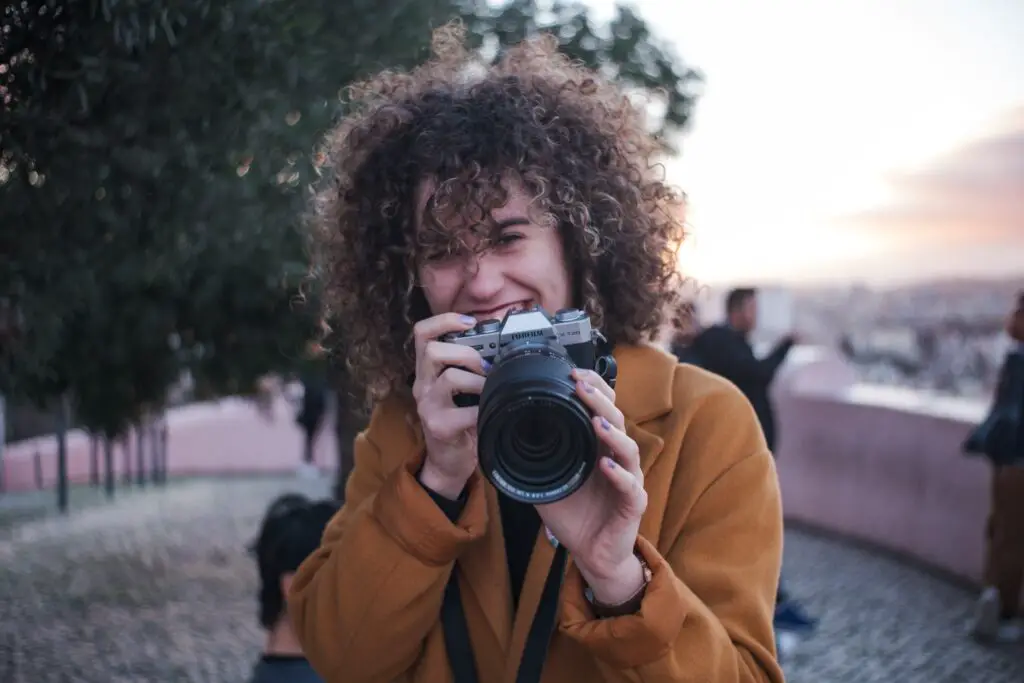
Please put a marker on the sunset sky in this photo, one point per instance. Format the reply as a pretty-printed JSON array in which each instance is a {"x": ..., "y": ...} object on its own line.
[{"x": 865, "y": 140}]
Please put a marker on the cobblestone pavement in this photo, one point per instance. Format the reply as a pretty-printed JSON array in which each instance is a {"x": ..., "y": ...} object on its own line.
[{"x": 158, "y": 587}]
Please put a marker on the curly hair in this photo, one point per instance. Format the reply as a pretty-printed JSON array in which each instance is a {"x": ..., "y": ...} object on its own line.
[{"x": 575, "y": 142}]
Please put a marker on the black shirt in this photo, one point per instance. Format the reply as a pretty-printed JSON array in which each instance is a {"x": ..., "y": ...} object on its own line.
[{"x": 284, "y": 669}]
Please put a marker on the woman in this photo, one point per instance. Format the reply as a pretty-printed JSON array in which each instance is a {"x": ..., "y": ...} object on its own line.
[
  {"x": 458, "y": 194},
  {"x": 998, "y": 615}
]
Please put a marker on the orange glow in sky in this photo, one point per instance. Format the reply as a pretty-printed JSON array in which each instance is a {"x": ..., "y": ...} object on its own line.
[{"x": 813, "y": 110}]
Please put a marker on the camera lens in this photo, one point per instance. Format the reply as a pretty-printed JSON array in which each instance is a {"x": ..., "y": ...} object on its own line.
[{"x": 536, "y": 442}]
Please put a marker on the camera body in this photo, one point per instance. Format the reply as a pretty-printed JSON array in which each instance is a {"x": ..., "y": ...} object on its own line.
[
  {"x": 569, "y": 328},
  {"x": 536, "y": 441}
]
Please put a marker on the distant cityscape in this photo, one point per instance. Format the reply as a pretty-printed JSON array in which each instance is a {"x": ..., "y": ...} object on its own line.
[{"x": 945, "y": 336}]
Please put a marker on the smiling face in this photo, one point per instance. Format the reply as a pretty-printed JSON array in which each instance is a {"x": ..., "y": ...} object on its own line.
[{"x": 509, "y": 259}]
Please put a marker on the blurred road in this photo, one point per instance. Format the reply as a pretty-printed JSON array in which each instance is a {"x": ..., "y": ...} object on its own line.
[{"x": 157, "y": 587}]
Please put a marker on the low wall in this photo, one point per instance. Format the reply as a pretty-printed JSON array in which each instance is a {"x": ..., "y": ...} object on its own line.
[
  {"x": 882, "y": 465},
  {"x": 222, "y": 437}
]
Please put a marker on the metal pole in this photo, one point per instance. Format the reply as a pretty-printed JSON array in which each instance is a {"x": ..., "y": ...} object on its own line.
[
  {"x": 3, "y": 437},
  {"x": 163, "y": 451},
  {"x": 94, "y": 460},
  {"x": 126, "y": 441},
  {"x": 108, "y": 457},
  {"x": 140, "y": 452},
  {"x": 63, "y": 418}
]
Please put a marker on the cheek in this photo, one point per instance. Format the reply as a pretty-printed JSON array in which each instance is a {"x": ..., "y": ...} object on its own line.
[
  {"x": 439, "y": 289},
  {"x": 550, "y": 271}
]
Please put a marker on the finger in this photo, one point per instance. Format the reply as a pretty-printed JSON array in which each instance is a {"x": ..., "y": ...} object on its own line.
[
  {"x": 439, "y": 355},
  {"x": 456, "y": 381},
  {"x": 626, "y": 485},
  {"x": 438, "y": 325},
  {"x": 449, "y": 424},
  {"x": 600, "y": 403},
  {"x": 595, "y": 380},
  {"x": 624, "y": 450}
]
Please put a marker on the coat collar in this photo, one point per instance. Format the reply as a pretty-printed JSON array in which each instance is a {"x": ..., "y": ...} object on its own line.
[{"x": 643, "y": 389}]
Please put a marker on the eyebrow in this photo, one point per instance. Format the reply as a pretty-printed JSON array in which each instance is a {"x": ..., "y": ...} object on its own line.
[{"x": 509, "y": 222}]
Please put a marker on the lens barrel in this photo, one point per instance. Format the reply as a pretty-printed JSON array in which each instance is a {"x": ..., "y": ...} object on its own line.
[{"x": 536, "y": 442}]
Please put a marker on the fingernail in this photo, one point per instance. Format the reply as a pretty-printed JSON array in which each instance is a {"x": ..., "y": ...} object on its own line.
[
  {"x": 605, "y": 424},
  {"x": 486, "y": 365},
  {"x": 611, "y": 463},
  {"x": 587, "y": 387},
  {"x": 468, "y": 320}
]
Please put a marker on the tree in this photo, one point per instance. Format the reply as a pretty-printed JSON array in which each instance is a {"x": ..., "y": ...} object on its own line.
[
  {"x": 625, "y": 49},
  {"x": 151, "y": 165},
  {"x": 152, "y": 162}
]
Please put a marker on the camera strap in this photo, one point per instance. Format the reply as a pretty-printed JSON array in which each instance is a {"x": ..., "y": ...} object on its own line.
[{"x": 535, "y": 651}]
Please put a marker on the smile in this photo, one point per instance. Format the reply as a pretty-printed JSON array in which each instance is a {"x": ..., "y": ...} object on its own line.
[{"x": 499, "y": 312}]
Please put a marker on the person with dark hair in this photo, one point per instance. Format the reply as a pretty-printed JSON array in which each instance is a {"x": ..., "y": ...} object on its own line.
[
  {"x": 461, "y": 193},
  {"x": 998, "y": 616},
  {"x": 290, "y": 532},
  {"x": 725, "y": 350}
]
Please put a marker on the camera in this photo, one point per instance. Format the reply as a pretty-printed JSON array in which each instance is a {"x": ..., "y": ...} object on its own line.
[{"x": 536, "y": 441}]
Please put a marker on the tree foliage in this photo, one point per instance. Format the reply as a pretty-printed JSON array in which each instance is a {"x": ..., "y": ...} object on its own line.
[{"x": 153, "y": 157}]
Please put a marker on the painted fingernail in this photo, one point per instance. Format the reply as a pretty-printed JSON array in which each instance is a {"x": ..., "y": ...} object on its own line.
[
  {"x": 486, "y": 365},
  {"x": 605, "y": 424},
  {"x": 587, "y": 387},
  {"x": 468, "y": 320},
  {"x": 610, "y": 463}
]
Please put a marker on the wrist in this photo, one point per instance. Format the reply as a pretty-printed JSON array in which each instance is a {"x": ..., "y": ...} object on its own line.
[
  {"x": 617, "y": 584},
  {"x": 443, "y": 485}
]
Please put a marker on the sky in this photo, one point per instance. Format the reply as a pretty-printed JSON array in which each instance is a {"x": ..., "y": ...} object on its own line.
[{"x": 876, "y": 141}]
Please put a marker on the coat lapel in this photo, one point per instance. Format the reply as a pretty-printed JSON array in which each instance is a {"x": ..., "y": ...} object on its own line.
[
  {"x": 485, "y": 569},
  {"x": 643, "y": 393}
]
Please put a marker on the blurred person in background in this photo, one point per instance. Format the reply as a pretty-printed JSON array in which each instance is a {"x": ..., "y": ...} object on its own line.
[
  {"x": 685, "y": 326},
  {"x": 1000, "y": 437},
  {"x": 290, "y": 532},
  {"x": 725, "y": 350},
  {"x": 313, "y": 375},
  {"x": 456, "y": 195}
]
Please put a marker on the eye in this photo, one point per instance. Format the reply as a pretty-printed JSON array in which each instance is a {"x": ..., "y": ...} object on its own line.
[
  {"x": 441, "y": 254},
  {"x": 509, "y": 238}
]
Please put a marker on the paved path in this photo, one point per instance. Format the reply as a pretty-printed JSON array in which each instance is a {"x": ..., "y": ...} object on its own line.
[{"x": 158, "y": 587}]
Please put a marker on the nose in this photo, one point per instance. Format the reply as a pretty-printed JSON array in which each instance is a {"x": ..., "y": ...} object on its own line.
[{"x": 483, "y": 277}]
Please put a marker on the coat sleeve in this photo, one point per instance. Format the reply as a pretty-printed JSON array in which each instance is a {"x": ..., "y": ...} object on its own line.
[
  {"x": 707, "y": 613},
  {"x": 363, "y": 604}
]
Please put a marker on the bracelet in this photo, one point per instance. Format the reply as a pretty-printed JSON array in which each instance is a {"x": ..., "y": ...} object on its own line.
[{"x": 630, "y": 605}]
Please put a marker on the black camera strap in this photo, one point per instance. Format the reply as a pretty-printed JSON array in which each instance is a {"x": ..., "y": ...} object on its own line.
[{"x": 535, "y": 651}]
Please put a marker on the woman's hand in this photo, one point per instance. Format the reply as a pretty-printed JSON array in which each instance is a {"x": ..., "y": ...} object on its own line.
[
  {"x": 599, "y": 523},
  {"x": 449, "y": 432}
]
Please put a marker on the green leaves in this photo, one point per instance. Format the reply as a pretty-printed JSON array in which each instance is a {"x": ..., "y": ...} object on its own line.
[{"x": 153, "y": 160}]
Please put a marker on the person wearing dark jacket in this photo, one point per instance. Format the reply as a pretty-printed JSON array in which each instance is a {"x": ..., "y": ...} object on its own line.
[
  {"x": 725, "y": 350},
  {"x": 313, "y": 408},
  {"x": 998, "y": 616}
]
